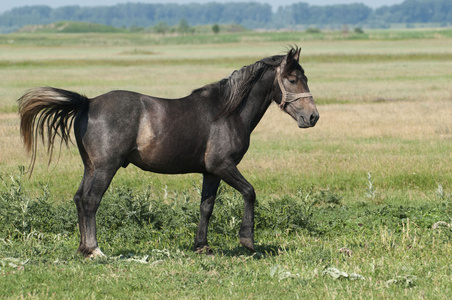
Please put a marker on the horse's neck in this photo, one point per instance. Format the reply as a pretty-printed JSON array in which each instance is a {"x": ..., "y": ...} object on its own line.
[{"x": 258, "y": 101}]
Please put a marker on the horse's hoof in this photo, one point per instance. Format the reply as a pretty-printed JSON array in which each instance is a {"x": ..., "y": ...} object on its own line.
[
  {"x": 204, "y": 250},
  {"x": 248, "y": 243},
  {"x": 96, "y": 253}
]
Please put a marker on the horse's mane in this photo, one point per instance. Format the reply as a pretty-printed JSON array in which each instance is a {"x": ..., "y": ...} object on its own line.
[{"x": 234, "y": 90}]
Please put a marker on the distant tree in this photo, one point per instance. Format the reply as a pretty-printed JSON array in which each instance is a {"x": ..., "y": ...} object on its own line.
[
  {"x": 312, "y": 30},
  {"x": 303, "y": 13},
  {"x": 169, "y": 16},
  {"x": 161, "y": 28},
  {"x": 416, "y": 11},
  {"x": 359, "y": 30},
  {"x": 183, "y": 26},
  {"x": 216, "y": 28}
]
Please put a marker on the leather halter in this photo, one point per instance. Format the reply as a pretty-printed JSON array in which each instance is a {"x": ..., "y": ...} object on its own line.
[{"x": 288, "y": 97}]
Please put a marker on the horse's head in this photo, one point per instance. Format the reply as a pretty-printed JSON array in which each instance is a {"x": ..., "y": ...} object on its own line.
[{"x": 296, "y": 99}]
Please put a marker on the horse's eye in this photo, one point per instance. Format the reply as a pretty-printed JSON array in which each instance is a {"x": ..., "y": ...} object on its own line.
[{"x": 292, "y": 81}]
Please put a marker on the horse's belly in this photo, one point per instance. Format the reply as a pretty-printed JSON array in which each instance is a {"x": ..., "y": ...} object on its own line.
[
  {"x": 168, "y": 149},
  {"x": 167, "y": 162}
]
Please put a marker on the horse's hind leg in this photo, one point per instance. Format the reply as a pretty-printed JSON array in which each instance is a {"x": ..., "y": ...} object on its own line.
[
  {"x": 87, "y": 199},
  {"x": 81, "y": 218},
  {"x": 209, "y": 192}
]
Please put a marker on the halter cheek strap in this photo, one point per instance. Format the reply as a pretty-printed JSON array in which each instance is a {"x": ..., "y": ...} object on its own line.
[{"x": 288, "y": 97}]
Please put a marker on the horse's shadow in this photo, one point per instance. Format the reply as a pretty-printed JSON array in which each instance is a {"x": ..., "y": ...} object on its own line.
[{"x": 261, "y": 251}]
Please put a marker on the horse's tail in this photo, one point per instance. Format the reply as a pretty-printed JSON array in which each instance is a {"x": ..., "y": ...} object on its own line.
[{"x": 47, "y": 111}]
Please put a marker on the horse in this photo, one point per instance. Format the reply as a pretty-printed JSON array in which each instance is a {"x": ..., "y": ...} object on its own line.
[{"x": 206, "y": 132}]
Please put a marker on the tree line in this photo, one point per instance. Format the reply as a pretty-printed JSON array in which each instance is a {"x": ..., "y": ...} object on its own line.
[{"x": 249, "y": 14}]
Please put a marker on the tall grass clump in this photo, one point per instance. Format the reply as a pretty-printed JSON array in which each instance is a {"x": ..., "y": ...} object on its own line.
[
  {"x": 128, "y": 219},
  {"x": 128, "y": 216},
  {"x": 22, "y": 215}
]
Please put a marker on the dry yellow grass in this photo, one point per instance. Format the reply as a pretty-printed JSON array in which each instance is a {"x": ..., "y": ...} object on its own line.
[
  {"x": 388, "y": 138},
  {"x": 392, "y": 119}
]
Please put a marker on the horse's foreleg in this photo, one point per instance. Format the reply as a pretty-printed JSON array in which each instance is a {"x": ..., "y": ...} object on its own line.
[
  {"x": 232, "y": 176},
  {"x": 209, "y": 192}
]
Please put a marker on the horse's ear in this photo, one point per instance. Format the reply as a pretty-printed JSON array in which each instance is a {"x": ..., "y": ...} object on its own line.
[
  {"x": 286, "y": 60},
  {"x": 297, "y": 54},
  {"x": 292, "y": 55}
]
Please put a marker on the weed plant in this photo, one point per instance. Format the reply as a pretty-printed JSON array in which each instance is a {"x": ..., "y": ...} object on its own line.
[{"x": 130, "y": 217}]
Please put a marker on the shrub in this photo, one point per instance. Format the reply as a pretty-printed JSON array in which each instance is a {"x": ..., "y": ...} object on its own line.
[{"x": 313, "y": 30}]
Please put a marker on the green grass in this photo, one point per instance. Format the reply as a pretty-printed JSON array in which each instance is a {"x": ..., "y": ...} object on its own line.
[
  {"x": 372, "y": 177},
  {"x": 148, "y": 243}
]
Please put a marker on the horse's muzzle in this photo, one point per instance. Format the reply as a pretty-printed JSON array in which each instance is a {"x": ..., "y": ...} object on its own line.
[{"x": 306, "y": 121}]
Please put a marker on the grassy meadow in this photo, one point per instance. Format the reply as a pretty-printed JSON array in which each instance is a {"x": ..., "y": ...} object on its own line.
[{"x": 356, "y": 207}]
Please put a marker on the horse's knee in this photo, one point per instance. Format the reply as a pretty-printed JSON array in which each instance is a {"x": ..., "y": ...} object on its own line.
[
  {"x": 78, "y": 199},
  {"x": 249, "y": 194}
]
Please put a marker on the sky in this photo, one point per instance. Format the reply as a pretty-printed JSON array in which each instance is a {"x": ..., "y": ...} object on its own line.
[{"x": 9, "y": 4}]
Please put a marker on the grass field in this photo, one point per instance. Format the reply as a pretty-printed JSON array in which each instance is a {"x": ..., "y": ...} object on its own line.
[{"x": 357, "y": 194}]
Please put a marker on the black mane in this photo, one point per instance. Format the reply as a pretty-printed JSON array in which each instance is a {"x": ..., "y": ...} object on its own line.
[{"x": 234, "y": 90}]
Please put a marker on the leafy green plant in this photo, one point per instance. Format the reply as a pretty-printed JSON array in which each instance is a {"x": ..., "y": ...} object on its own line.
[
  {"x": 22, "y": 215},
  {"x": 288, "y": 213}
]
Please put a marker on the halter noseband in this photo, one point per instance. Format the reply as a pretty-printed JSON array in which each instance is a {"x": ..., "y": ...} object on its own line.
[{"x": 288, "y": 97}]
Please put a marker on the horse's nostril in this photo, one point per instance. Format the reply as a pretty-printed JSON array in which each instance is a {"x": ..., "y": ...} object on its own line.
[{"x": 314, "y": 118}]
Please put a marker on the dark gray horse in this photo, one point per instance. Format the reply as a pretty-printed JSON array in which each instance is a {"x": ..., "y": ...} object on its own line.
[{"x": 206, "y": 132}]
